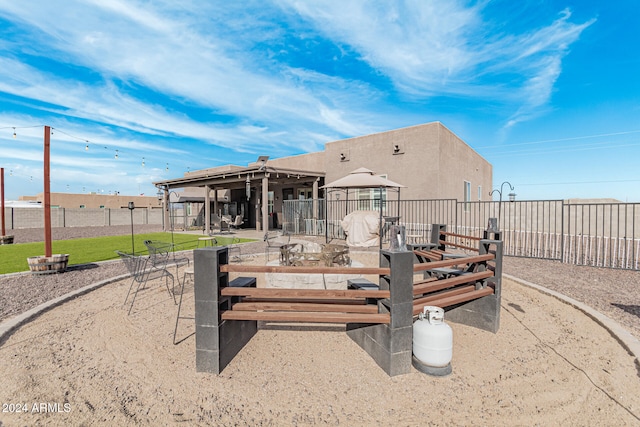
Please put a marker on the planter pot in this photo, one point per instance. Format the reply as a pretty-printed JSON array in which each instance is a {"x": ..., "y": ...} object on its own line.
[
  {"x": 6, "y": 240},
  {"x": 45, "y": 265}
]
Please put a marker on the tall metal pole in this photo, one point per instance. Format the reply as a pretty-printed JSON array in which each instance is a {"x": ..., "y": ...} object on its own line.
[
  {"x": 47, "y": 193},
  {"x": 131, "y": 207}
]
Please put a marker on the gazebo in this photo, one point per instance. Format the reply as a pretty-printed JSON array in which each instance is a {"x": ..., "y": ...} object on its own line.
[{"x": 363, "y": 178}]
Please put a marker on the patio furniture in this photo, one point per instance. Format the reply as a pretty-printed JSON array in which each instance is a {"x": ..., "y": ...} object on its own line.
[
  {"x": 188, "y": 272},
  {"x": 221, "y": 223},
  {"x": 275, "y": 239},
  {"x": 237, "y": 222},
  {"x": 141, "y": 271},
  {"x": 161, "y": 253},
  {"x": 210, "y": 241}
]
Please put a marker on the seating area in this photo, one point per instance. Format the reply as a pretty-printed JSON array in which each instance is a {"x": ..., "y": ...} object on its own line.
[
  {"x": 376, "y": 316},
  {"x": 142, "y": 269}
]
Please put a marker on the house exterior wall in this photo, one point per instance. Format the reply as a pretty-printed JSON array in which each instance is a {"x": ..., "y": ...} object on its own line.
[
  {"x": 431, "y": 161},
  {"x": 311, "y": 161}
]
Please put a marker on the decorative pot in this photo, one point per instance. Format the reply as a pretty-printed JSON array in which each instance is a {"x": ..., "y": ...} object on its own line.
[{"x": 44, "y": 265}]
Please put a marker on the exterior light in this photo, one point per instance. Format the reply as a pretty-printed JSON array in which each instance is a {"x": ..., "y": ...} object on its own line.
[{"x": 512, "y": 197}]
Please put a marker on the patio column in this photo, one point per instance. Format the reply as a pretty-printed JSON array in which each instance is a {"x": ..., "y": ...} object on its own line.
[
  {"x": 315, "y": 198},
  {"x": 207, "y": 208},
  {"x": 215, "y": 200},
  {"x": 265, "y": 202}
]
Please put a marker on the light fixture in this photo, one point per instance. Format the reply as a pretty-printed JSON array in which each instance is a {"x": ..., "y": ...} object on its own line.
[
  {"x": 143, "y": 162},
  {"x": 14, "y": 133},
  {"x": 116, "y": 156},
  {"x": 342, "y": 157},
  {"x": 263, "y": 161},
  {"x": 86, "y": 147},
  {"x": 166, "y": 168},
  {"x": 512, "y": 197}
]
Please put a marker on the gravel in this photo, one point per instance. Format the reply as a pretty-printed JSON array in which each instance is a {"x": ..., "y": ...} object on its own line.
[{"x": 611, "y": 292}]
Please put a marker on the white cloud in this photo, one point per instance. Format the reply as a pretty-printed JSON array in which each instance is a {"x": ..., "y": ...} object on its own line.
[{"x": 446, "y": 47}]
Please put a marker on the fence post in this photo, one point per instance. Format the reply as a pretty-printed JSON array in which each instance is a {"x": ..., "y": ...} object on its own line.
[
  {"x": 390, "y": 345},
  {"x": 217, "y": 341}
]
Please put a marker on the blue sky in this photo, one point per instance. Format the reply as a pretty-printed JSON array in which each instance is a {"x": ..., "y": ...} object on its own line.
[{"x": 547, "y": 91}]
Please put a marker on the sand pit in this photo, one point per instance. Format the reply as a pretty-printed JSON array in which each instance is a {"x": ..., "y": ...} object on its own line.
[{"x": 550, "y": 364}]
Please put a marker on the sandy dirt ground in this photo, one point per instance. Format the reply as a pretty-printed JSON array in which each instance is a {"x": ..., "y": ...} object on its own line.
[{"x": 88, "y": 363}]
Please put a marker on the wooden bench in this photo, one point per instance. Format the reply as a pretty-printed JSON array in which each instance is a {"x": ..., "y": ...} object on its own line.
[
  {"x": 366, "y": 309},
  {"x": 304, "y": 305},
  {"x": 451, "y": 278}
]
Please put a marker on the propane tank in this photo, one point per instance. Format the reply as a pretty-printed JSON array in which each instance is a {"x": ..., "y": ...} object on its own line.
[{"x": 432, "y": 342}]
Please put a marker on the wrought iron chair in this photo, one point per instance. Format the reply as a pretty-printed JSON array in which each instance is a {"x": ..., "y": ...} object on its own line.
[
  {"x": 188, "y": 273},
  {"x": 141, "y": 271},
  {"x": 161, "y": 253}
]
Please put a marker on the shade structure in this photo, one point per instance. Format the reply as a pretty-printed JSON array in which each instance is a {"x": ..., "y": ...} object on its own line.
[{"x": 363, "y": 178}]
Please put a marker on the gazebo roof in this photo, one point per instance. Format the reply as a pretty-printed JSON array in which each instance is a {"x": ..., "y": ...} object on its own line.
[{"x": 362, "y": 178}]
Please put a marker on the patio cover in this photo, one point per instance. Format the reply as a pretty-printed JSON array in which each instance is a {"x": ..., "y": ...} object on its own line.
[{"x": 364, "y": 178}]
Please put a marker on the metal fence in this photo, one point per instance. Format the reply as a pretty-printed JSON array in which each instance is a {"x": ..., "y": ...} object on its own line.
[{"x": 593, "y": 234}]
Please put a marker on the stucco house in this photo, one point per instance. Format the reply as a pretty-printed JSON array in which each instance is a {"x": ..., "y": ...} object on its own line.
[{"x": 428, "y": 159}]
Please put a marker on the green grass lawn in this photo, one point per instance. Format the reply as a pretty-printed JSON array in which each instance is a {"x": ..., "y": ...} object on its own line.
[{"x": 13, "y": 258}]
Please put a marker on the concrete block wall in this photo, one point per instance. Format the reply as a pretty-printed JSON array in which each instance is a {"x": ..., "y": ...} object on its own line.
[
  {"x": 217, "y": 341},
  {"x": 391, "y": 345},
  {"x": 16, "y": 218}
]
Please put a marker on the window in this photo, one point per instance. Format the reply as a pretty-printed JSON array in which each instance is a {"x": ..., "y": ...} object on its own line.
[
  {"x": 371, "y": 199},
  {"x": 479, "y": 192},
  {"x": 101, "y": 206},
  {"x": 270, "y": 202},
  {"x": 467, "y": 195},
  {"x": 81, "y": 206},
  {"x": 304, "y": 194}
]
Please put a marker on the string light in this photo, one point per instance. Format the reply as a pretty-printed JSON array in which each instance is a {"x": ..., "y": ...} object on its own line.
[{"x": 87, "y": 142}]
